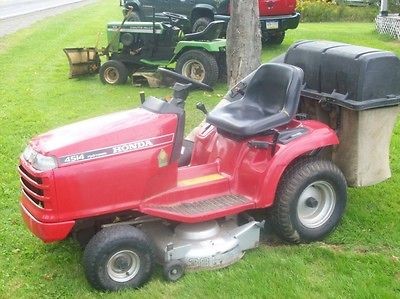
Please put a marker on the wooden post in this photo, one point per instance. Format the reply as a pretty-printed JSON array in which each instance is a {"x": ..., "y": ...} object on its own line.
[{"x": 384, "y": 8}]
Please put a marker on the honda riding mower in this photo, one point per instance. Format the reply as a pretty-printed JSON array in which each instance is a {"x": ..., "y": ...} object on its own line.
[
  {"x": 133, "y": 191},
  {"x": 139, "y": 48},
  {"x": 115, "y": 181}
]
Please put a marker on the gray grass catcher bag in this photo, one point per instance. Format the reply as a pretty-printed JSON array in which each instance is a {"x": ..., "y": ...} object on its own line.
[{"x": 356, "y": 90}]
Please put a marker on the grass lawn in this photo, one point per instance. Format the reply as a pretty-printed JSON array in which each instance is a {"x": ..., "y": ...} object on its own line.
[{"x": 360, "y": 259}]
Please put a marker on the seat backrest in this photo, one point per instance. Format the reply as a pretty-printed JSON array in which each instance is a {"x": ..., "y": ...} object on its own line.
[
  {"x": 211, "y": 32},
  {"x": 275, "y": 87}
]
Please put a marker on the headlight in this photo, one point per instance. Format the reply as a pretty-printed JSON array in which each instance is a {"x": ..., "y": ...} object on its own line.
[
  {"x": 29, "y": 153},
  {"x": 39, "y": 161}
]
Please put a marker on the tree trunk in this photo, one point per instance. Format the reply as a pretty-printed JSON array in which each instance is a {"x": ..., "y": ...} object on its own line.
[{"x": 243, "y": 46}]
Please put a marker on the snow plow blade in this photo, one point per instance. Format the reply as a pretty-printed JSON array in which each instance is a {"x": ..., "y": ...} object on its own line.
[{"x": 82, "y": 61}]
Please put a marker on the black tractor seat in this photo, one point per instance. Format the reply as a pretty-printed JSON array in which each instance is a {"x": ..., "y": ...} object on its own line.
[
  {"x": 271, "y": 100},
  {"x": 211, "y": 32}
]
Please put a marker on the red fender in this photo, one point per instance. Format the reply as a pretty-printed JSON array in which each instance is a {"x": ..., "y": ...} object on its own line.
[{"x": 319, "y": 136}]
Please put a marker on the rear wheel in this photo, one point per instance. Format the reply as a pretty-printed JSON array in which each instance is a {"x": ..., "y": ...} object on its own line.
[
  {"x": 118, "y": 257},
  {"x": 198, "y": 65},
  {"x": 201, "y": 24},
  {"x": 273, "y": 38},
  {"x": 310, "y": 200},
  {"x": 113, "y": 72}
]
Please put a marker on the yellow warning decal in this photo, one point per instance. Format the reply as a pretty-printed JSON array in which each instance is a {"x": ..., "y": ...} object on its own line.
[{"x": 200, "y": 180}]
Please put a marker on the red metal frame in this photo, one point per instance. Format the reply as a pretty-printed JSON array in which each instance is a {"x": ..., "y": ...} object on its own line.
[
  {"x": 135, "y": 180},
  {"x": 48, "y": 232}
]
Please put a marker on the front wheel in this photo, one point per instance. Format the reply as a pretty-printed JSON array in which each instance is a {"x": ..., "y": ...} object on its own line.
[
  {"x": 118, "y": 257},
  {"x": 113, "y": 72},
  {"x": 199, "y": 66},
  {"x": 174, "y": 270},
  {"x": 310, "y": 200}
]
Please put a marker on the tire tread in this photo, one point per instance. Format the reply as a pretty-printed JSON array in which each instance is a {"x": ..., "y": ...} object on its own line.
[
  {"x": 123, "y": 71},
  {"x": 94, "y": 252},
  {"x": 287, "y": 188}
]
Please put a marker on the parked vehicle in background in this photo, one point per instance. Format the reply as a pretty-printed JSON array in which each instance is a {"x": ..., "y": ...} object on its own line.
[
  {"x": 138, "y": 49},
  {"x": 276, "y": 16}
]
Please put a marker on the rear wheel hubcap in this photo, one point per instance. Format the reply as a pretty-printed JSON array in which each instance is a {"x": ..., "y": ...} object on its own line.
[
  {"x": 111, "y": 75},
  {"x": 316, "y": 204},
  {"x": 194, "y": 70}
]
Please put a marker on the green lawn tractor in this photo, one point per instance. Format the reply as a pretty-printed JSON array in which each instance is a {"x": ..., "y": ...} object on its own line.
[{"x": 138, "y": 48}]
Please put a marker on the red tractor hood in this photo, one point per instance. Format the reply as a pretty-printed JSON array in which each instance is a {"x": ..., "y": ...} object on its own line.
[{"x": 137, "y": 127}]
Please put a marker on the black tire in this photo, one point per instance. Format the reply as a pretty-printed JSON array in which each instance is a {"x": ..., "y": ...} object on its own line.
[
  {"x": 113, "y": 72},
  {"x": 173, "y": 271},
  {"x": 134, "y": 17},
  {"x": 310, "y": 200},
  {"x": 113, "y": 253},
  {"x": 273, "y": 38},
  {"x": 223, "y": 68},
  {"x": 198, "y": 65},
  {"x": 83, "y": 236},
  {"x": 200, "y": 24}
]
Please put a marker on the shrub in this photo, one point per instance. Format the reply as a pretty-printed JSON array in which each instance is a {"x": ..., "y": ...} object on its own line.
[{"x": 329, "y": 11}]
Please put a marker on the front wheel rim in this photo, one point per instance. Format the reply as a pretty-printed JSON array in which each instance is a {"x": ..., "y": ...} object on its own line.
[
  {"x": 123, "y": 265},
  {"x": 316, "y": 204},
  {"x": 193, "y": 69},
  {"x": 111, "y": 75}
]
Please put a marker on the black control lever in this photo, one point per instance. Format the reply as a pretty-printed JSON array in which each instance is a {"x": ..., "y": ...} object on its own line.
[
  {"x": 259, "y": 144},
  {"x": 142, "y": 97},
  {"x": 202, "y": 107}
]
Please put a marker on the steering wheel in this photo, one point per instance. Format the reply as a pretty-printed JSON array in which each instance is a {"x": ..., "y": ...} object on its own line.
[
  {"x": 183, "y": 79},
  {"x": 175, "y": 16}
]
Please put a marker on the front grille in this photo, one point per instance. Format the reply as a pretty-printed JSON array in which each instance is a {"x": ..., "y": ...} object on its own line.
[
  {"x": 36, "y": 179},
  {"x": 37, "y": 202},
  {"x": 32, "y": 187}
]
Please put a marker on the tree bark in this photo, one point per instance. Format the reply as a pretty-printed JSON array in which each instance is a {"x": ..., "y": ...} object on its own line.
[{"x": 243, "y": 45}]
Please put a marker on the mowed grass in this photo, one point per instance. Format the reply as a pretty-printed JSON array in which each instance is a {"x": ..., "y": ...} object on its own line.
[{"x": 360, "y": 259}]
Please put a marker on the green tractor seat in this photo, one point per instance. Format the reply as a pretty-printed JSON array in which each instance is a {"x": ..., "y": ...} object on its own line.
[
  {"x": 271, "y": 100},
  {"x": 211, "y": 32}
]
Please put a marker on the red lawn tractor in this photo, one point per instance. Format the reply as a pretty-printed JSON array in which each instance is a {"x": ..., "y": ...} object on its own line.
[{"x": 134, "y": 192}]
